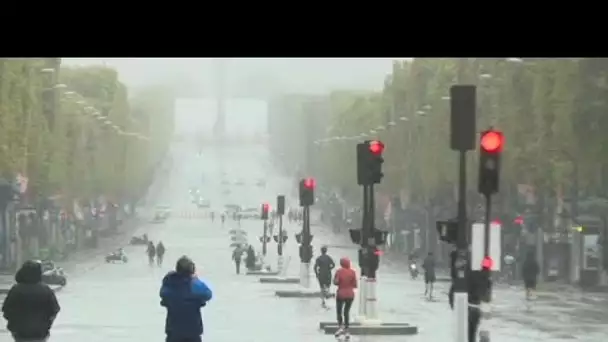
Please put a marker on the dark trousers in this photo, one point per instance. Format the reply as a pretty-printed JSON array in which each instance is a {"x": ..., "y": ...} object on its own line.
[
  {"x": 343, "y": 310},
  {"x": 238, "y": 267},
  {"x": 191, "y": 339},
  {"x": 474, "y": 317}
]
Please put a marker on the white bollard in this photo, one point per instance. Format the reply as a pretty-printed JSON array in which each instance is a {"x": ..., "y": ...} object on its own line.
[
  {"x": 461, "y": 317},
  {"x": 362, "y": 299},
  {"x": 371, "y": 302},
  {"x": 305, "y": 275}
]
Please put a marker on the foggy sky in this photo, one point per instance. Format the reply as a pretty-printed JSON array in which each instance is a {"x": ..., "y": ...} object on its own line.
[{"x": 274, "y": 75}]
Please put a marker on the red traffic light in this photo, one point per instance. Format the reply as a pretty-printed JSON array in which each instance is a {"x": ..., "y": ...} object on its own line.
[
  {"x": 266, "y": 207},
  {"x": 487, "y": 263},
  {"x": 376, "y": 147},
  {"x": 492, "y": 141},
  {"x": 310, "y": 183}
]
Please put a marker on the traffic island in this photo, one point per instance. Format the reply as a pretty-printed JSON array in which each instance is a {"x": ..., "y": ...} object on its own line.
[
  {"x": 301, "y": 293},
  {"x": 262, "y": 273},
  {"x": 279, "y": 280},
  {"x": 375, "y": 328}
]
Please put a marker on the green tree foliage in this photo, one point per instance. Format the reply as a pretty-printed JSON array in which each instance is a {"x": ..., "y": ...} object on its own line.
[
  {"x": 552, "y": 112},
  {"x": 97, "y": 144}
]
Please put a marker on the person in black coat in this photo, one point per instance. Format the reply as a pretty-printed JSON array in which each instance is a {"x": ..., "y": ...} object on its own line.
[
  {"x": 30, "y": 307},
  {"x": 250, "y": 260},
  {"x": 530, "y": 271}
]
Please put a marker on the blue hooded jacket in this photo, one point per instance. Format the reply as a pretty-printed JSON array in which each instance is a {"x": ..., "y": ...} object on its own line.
[{"x": 183, "y": 296}]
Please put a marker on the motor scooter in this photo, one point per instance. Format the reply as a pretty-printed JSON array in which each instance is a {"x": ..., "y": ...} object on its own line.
[{"x": 414, "y": 270}]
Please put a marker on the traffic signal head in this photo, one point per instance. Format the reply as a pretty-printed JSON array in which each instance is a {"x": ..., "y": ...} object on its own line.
[
  {"x": 487, "y": 263},
  {"x": 281, "y": 205},
  {"x": 307, "y": 191},
  {"x": 369, "y": 162},
  {"x": 376, "y": 147},
  {"x": 309, "y": 183},
  {"x": 265, "y": 210},
  {"x": 491, "y": 145},
  {"x": 492, "y": 141}
]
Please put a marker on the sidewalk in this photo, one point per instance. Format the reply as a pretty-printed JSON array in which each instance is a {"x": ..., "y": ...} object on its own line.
[{"x": 79, "y": 257}]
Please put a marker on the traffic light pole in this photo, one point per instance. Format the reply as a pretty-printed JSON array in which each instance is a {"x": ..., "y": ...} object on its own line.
[
  {"x": 305, "y": 248},
  {"x": 460, "y": 283},
  {"x": 362, "y": 312},
  {"x": 368, "y": 246},
  {"x": 280, "y": 246},
  {"x": 264, "y": 239},
  {"x": 486, "y": 288}
]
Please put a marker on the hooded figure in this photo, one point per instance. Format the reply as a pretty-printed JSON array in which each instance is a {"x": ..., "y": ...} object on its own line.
[
  {"x": 250, "y": 259},
  {"x": 30, "y": 307},
  {"x": 184, "y": 294},
  {"x": 346, "y": 281}
]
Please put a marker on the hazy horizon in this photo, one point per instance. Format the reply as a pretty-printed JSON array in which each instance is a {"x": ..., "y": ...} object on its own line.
[{"x": 245, "y": 76}]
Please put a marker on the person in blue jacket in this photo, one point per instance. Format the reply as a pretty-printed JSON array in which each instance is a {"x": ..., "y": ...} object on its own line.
[{"x": 184, "y": 294}]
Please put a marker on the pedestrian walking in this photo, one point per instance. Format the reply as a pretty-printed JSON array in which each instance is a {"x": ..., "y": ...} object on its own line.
[
  {"x": 530, "y": 271},
  {"x": 160, "y": 253},
  {"x": 30, "y": 307},
  {"x": 151, "y": 253},
  {"x": 429, "y": 275},
  {"x": 237, "y": 256},
  {"x": 184, "y": 294},
  {"x": 346, "y": 281},
  {"x": 324, "y": 265}
]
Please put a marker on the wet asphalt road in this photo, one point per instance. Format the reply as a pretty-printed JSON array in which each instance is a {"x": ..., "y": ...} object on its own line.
[{"x": 119, "y": 302}]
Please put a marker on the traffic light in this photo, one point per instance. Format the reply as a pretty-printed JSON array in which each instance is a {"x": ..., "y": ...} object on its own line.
[
  {"x": 369, "y": 162},
  {"x": 280, "y": 205},
  {"x": 307, "y": 191},
  {"x": 448, "y": 231},
  {"x": 301, "y": 238},
  {"x": 265, "y": 210},
  {"x": 491, "y": 145}
]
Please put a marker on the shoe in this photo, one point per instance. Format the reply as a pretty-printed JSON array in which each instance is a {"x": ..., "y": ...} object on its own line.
[
  {"x": 340, "y": 332},
  {"x": 346, "y": 335}
]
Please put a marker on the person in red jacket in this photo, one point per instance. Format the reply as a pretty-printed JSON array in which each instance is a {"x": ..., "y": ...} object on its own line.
[{"x": 346, "y": 281}]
